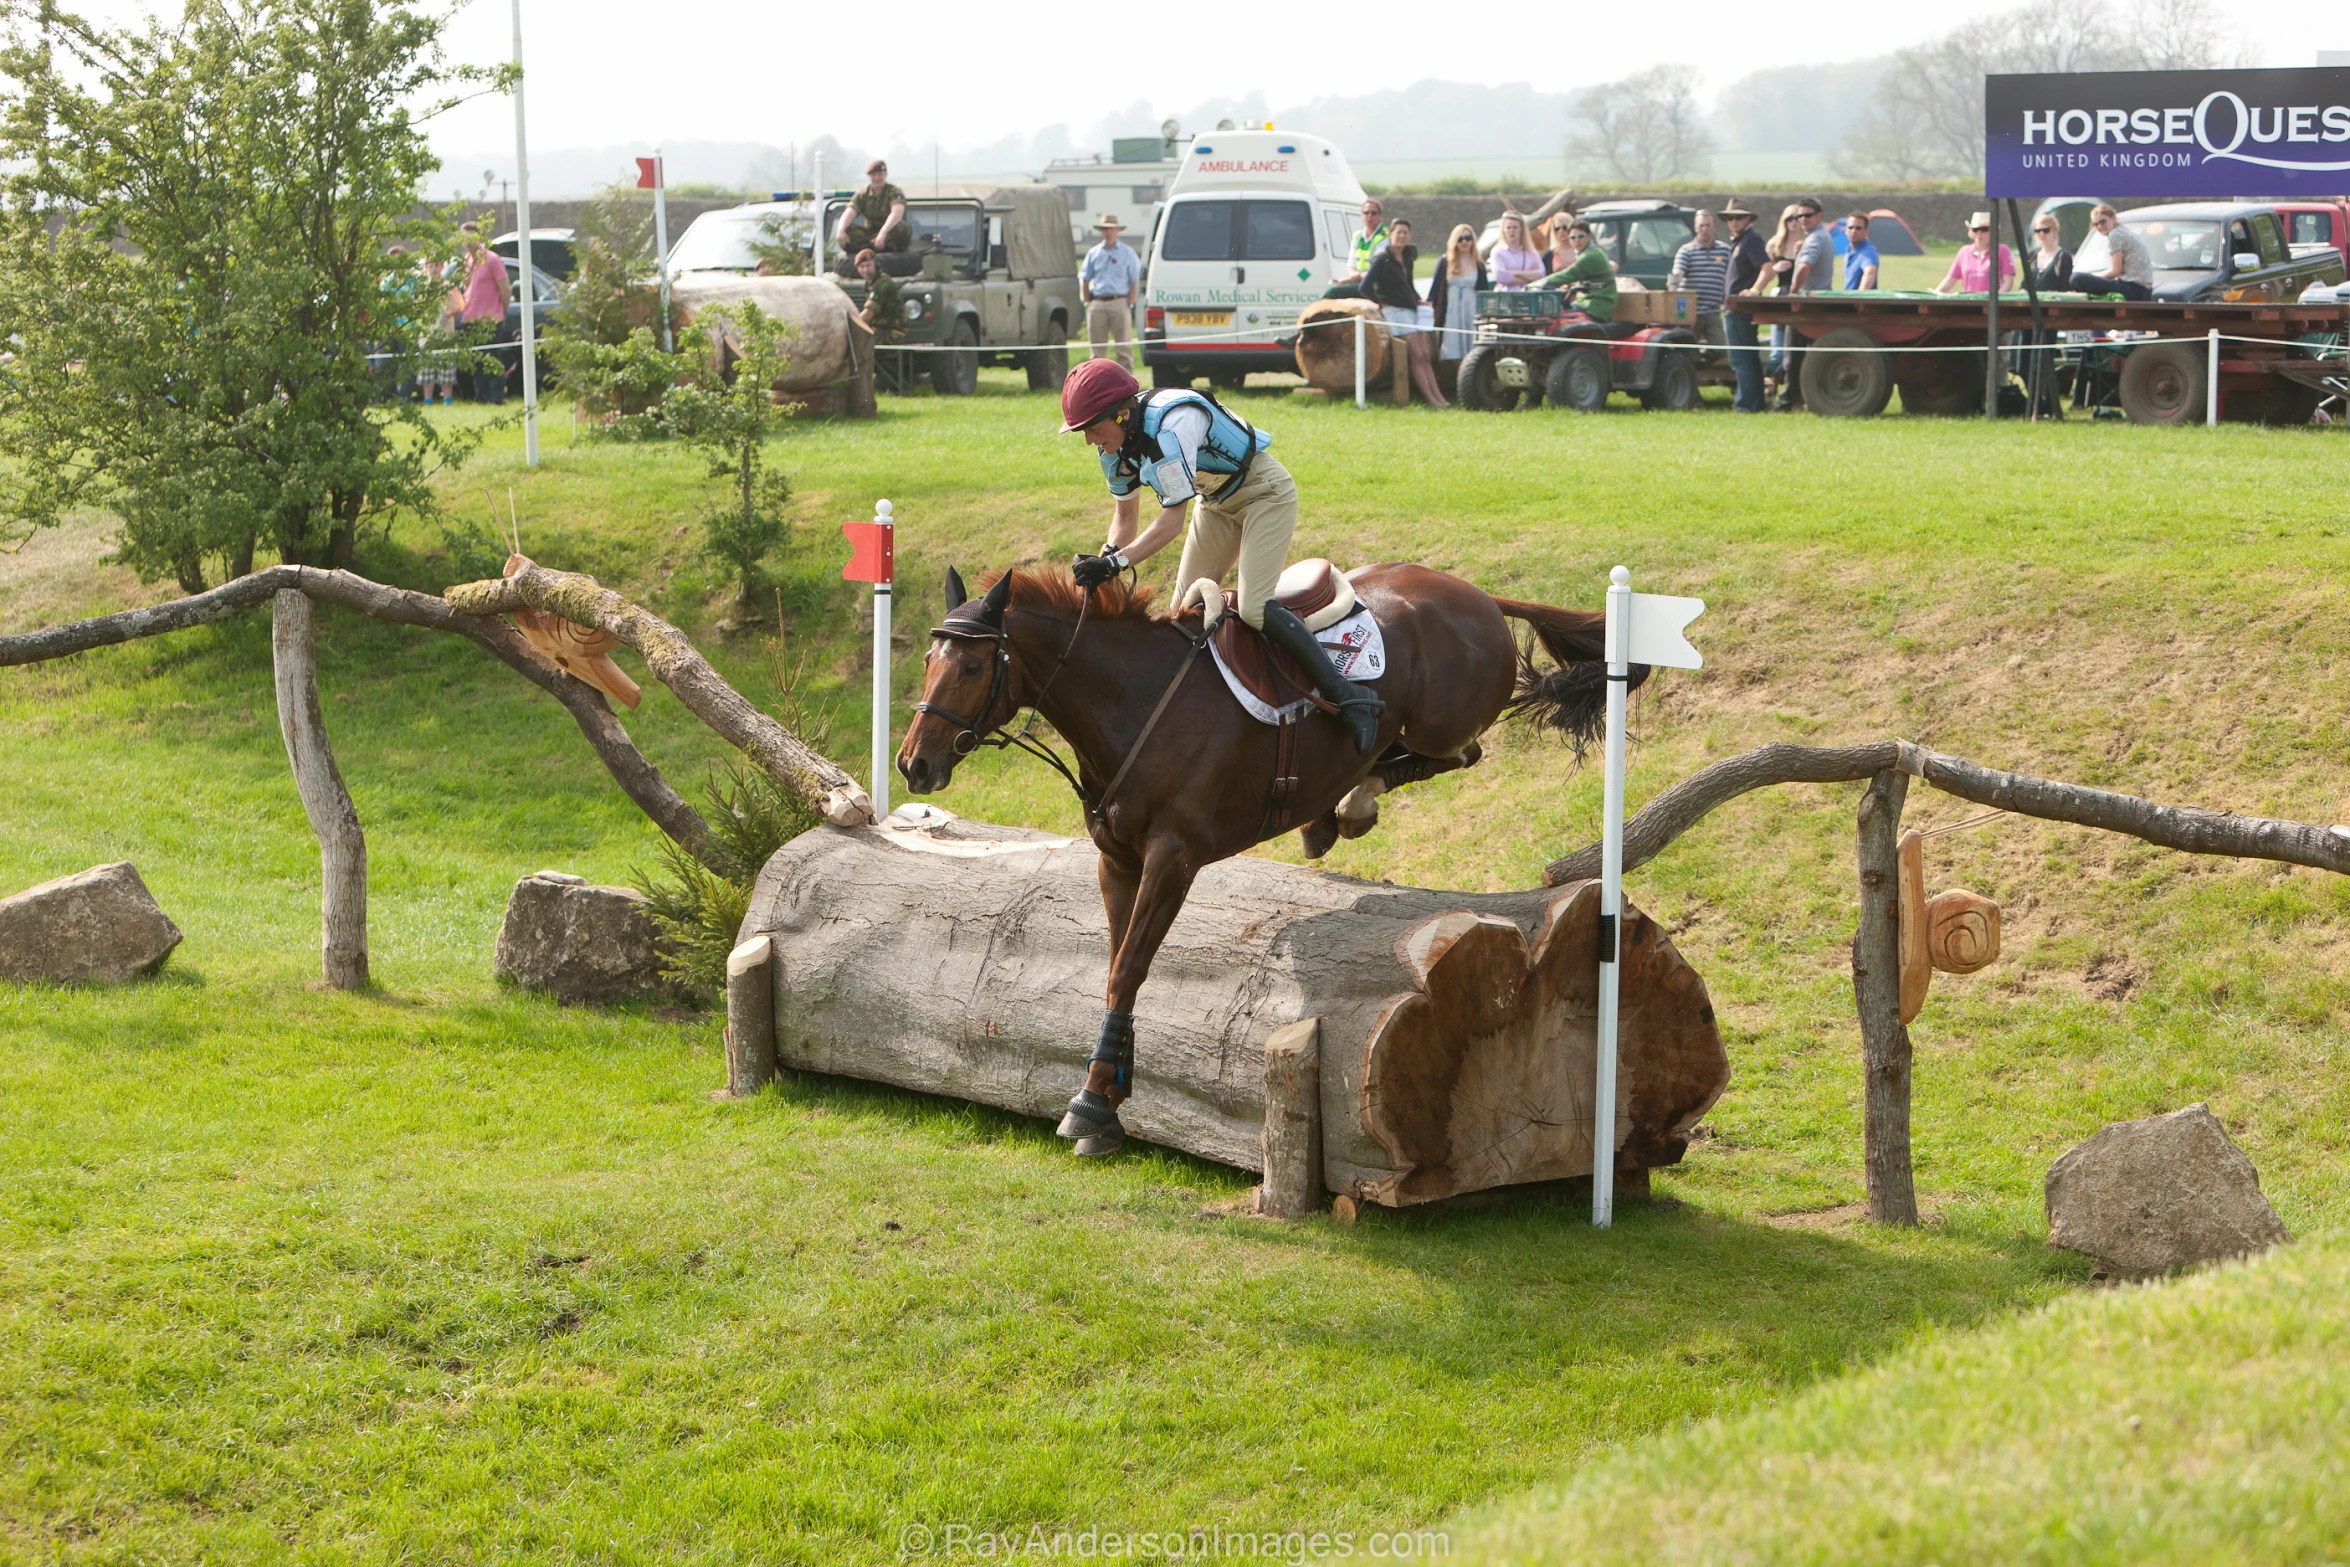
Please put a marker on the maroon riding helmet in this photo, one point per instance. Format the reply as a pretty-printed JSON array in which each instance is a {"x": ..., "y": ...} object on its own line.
[{"x": 1093, "y": 389}]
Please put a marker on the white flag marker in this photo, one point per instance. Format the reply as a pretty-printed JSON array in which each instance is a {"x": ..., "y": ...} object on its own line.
[{"x": 1642, "y": 628}]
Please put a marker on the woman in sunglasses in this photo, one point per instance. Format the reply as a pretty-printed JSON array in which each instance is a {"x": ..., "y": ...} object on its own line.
[
  {"x": 1970, "y": 270},
  {"x": 2052, "y": 264}
]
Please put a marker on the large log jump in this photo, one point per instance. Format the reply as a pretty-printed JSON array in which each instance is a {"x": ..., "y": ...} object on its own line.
[{"x": 1457, "y": 1031}]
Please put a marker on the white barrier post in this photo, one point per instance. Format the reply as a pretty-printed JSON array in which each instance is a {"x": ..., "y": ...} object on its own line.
[
  {"x": 1360, "y": 400},
  {"x": 525, "y": 257},
  {"x": 2211, "y": 389},
  {"x": 661, "y": 245},
  {"x": 1642, "y": 628},
  {"x": 1611, "y": 902},
  {"x": 881, "y": 596}
]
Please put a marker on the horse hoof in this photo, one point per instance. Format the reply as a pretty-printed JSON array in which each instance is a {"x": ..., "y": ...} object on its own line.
[
  {"x": 1316, "y": 836},
  {"x": 1102, "y": 1144},
  {"x": 1089, "y": 1115},
  {"x": 1356, "y": 826}
]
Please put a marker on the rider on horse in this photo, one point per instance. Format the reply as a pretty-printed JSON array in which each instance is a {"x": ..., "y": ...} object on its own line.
[{"x": 1189, "y": 447}]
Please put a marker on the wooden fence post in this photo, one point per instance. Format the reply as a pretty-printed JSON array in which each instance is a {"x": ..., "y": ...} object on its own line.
[
  {"x": 1876, "y": 987},
  {"x": 342, "y": 847},
  {"x": 750, "y": 1017},
  {"x": 1293, "y": 1122}
]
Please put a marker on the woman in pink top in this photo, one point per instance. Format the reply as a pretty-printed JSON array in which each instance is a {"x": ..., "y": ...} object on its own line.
[
  {"x": 1515, "y": 262},
  {"x": 486, "y": 298},
  {"x": 1970, "y": 270}
]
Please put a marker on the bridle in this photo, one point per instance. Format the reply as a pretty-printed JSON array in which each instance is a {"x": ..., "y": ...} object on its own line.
[
  {"x": 975, "y": 731},
  {"x": 972, "y": 732}
]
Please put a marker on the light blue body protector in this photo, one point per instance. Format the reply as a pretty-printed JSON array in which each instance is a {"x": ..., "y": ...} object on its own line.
[{"x": 1231, "y": 446}]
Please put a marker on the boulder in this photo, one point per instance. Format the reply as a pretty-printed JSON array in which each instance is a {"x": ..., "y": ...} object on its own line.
[
  {"x": 580, "y": 943},
  {"x": 98, "y": 924},
  {"x": 2166, "y": 1192}
]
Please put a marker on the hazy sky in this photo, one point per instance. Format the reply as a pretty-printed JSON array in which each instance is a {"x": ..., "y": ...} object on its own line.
[{"x": 602, "y": 72}]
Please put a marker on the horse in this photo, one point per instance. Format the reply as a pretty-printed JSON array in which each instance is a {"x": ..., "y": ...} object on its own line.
[{"x": 1108, "y": 672}]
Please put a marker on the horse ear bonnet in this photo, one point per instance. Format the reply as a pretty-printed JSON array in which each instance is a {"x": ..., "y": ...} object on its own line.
[
  {"x": 991, "y": 609},
  {"x": 957, "y": 594}
]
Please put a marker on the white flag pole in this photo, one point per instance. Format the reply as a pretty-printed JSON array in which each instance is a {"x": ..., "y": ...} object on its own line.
[
  {"x": 1611, "y": 899},
  {"x": 523, "y": 256},
  {"x": 820, "y": 247},
  {"x": 881, "y": 598},
  {"x": 661, "y": 243}
]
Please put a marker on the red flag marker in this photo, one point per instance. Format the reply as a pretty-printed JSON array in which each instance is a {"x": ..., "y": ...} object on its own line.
[
  {"x": 872, "y": 555},
  {"x": 648, "y": 174}
]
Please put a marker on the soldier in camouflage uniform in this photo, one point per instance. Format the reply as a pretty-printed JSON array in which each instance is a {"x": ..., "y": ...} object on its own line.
[
  {"x": 876, "y": 215},
  {"x": 885, "y": 313}
]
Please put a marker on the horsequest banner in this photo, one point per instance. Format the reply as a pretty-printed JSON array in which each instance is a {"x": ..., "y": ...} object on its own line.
[{"x": 2168, "y": 133}]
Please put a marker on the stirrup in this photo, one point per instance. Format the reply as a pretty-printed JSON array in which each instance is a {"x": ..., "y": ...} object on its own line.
[{"x": 1360, "y": 712}]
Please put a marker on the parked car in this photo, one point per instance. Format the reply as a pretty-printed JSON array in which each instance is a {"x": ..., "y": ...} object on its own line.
[
  {"x": 554, "y": 250},
  {"x": 2226, "y": 250},
  {"x": 546, "y": 298},
  {"x": 2311, "y": 223},
  {"x": 721, "y": 241}
]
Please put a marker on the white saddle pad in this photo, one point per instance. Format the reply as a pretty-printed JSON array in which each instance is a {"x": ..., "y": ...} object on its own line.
[{"x": 1354, "y": 644}]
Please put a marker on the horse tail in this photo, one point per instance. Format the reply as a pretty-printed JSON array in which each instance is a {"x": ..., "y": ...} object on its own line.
[{"x": 1571, "y": 699}]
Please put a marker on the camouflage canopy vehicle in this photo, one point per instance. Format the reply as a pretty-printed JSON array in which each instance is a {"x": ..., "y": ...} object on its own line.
[{"x": 991, "y": 277}]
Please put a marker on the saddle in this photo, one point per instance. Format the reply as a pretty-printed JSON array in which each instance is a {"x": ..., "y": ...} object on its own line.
[{"x": 1314, "y": 590}]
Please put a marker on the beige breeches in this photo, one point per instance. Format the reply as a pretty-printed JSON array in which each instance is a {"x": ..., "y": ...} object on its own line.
[{"x": 1249, "y": 528}]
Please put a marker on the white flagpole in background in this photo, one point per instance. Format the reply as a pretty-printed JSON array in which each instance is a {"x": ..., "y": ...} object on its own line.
[
  {"x": 1642, "y": 628},
  {"x": 661, "y": 244},
  {"x": 524, "y": 256}
]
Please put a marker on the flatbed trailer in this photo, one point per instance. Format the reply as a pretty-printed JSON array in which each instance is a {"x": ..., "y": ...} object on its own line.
[{"x": 1931, "y": 348}]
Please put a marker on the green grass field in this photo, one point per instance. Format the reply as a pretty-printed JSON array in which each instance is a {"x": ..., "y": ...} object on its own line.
[{"x": 443, "y": 1273}]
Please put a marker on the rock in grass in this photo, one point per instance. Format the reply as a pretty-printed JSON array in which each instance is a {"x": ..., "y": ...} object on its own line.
[
  {"x": 2166, "y": 1192},
  {"x": 98, "y": 924},
  {"x": 580, "y": 943}
]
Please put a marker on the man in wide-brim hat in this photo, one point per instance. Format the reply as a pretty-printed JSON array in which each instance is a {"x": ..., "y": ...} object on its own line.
[
  {"x": 1110, "y": 283},
  {"x": 1748, "y": 257}
]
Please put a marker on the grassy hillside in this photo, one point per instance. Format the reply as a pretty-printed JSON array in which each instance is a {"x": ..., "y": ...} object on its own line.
[
  {"x": 439, "y": 1270},
  {"x": 2196, "y": 1421}
]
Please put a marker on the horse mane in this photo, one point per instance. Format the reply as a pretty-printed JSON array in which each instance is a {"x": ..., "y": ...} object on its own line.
[{"x": 1051, "y": 587}]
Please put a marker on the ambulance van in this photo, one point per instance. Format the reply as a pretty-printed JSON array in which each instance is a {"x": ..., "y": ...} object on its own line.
[{"x": 1257, "y": 225}]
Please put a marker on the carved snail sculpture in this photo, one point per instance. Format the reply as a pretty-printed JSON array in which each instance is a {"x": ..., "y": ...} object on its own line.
[{"x": 1956, "y": 932}]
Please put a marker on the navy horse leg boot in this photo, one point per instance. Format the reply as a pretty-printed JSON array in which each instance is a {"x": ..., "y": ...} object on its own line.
[
  {"x": 1092, "y": 1121},
  {"x": 1358, "y": 709}
]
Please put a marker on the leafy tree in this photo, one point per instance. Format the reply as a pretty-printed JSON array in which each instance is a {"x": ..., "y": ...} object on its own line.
[
  {"x": 730, "y": 418},
  {"x": 1927, "y": 120},
  {"x": 784, "y": 248},
  {"x": 1643, "y": 128},
  {"x": 194, "y": 273},
  {"x": 611, "y": 293}
]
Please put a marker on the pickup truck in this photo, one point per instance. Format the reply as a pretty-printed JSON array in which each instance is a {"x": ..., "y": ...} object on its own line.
[
  {"x": 991, "y": 277},
  {"x": 2310, "y": 223},
  {"x": 2234, "y": 252}
]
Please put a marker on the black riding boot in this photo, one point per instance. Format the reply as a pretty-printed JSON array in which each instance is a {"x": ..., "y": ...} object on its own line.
[{"x": 1358, "y": 709}]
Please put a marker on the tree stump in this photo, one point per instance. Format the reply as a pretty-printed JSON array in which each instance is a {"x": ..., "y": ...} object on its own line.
[
  {"x": 1458, "y": 1031},
  {"x": 1293, "y": 1121}
]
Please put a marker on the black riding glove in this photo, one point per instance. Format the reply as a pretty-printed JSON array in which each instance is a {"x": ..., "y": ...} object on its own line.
[{"x": 1091, "y": 571}]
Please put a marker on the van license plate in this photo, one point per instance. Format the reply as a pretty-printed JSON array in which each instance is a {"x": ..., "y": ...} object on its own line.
[{"x": 1199, "y": 317}]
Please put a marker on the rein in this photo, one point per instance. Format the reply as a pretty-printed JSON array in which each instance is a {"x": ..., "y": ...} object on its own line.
[{"x": 969, "y": 736}]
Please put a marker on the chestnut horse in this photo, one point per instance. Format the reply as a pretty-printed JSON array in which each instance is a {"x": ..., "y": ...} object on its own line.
[{"x": 1114, "y": 679}]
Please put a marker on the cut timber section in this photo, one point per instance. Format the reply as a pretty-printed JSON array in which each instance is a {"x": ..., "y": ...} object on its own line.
[{"x": 1457, "y": 1033}]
